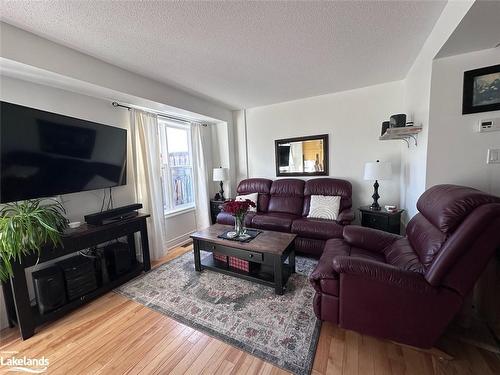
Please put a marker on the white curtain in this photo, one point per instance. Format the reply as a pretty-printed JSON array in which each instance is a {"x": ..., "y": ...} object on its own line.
[
  {"x": 147, "y": 173},
  {"x": 199, "y": 137}
]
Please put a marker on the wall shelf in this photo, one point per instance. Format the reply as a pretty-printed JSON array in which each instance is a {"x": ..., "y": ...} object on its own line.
[{"x": 405, "y": 134}]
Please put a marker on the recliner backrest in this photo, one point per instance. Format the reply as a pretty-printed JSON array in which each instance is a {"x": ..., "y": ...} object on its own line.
[
  {"x": 257, "y": 185},
  {"x": 329, "y": 187},
  {"x": 451, "y": 221},
  {"x": 287, "y": 196}
]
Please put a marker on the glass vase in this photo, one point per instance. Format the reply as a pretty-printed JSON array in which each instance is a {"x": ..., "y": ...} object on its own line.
[{"x": 239, "y": 225}]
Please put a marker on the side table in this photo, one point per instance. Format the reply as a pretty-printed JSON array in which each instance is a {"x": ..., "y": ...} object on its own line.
[
  {"x": 215, "y": 209},
  {"x": 382, "y": 220}
]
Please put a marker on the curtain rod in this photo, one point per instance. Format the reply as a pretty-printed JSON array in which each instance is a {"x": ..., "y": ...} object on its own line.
[{"x": 182, "y": 119}]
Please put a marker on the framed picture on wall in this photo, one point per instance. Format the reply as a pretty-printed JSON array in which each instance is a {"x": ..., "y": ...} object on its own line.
[
  {"x": 302, "y": 156},
  {"x": 481, "y": 90}
]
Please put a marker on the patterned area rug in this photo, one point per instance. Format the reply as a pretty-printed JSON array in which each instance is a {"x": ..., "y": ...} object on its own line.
[{"x": 282, "y": 330}]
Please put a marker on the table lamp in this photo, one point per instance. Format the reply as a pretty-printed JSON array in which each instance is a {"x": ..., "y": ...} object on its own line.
[
  {"x": 377, "y": 171},
  {"x": 220, "y": 175}
]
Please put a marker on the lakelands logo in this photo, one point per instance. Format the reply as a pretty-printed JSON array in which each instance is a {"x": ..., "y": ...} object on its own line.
[{"x": 23, "y": 364}]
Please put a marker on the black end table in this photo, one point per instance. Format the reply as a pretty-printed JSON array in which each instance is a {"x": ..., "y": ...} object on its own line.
[
  {"x": 215, "y": 209},
  {"x": 382, "y": 219}
]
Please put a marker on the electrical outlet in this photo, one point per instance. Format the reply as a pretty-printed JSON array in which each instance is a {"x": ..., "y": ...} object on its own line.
[{"x": 493, "y": 156}]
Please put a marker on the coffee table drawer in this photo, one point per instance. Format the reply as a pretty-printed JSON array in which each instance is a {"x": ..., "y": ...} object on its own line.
[{"x": 252, "y": 256}]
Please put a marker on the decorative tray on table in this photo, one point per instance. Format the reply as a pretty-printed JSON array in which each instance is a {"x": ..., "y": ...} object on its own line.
[{"x": 247, "y": 236}]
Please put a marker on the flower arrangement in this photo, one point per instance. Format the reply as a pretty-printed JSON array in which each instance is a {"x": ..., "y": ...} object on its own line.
[{"x": 238, "y": 209}]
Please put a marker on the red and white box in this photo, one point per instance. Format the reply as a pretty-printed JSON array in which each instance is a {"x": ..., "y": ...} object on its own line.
[
  {"x": 241, "y": 264},
  {"x": 220, "y": 257}
]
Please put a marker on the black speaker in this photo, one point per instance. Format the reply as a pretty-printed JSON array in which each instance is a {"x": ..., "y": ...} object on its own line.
[
  {"x": 118, "y": 258},
  {"x": 397, "y": 121},
  {"x": 79, "y": 275},
  {"x": 49, "y": 289},
  {"x": 385, "y": 126}
]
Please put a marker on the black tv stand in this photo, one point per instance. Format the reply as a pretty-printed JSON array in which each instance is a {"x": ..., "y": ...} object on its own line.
[{"x": 19, "y": 310}]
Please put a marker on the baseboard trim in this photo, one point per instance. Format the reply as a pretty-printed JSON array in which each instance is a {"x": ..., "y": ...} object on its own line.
[{"x": 179, "y": 240}]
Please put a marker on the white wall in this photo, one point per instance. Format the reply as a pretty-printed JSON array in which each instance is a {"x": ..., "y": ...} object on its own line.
[
  {"x": 417, "y": 91},
  {"x": 456, "y": 153},
  {"x": 353, "y": 121}
]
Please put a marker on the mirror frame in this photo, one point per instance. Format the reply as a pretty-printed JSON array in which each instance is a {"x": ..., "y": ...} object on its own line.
[{"x": 323, "y": 137}]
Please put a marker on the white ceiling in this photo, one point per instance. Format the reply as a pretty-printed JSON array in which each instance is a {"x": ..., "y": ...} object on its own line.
[
  {"x": 243, "y": 54},
  {"x": 478, "y": 30}
]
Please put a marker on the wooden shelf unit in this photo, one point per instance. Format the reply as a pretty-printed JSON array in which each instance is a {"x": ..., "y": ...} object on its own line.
[{"x": 403, "y": 133}]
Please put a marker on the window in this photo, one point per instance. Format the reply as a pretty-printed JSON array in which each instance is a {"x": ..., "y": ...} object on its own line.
[{"x": 177, "y": 167}]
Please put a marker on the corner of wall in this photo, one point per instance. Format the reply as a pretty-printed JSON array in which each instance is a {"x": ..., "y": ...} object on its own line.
[{"x": 414, "y": 160}]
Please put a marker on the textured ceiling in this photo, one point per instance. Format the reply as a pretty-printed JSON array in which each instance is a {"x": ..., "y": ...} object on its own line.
[
  {"x": 479, "y": 29},
  {"x": 243, "y": 54}
]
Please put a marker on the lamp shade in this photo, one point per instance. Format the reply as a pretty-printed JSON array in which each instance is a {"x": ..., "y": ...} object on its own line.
[
  {"x": 220, "y": 174},
  {"x": 378, "y": 170}
]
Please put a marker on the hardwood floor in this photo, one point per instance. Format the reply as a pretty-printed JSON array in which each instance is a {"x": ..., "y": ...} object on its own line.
[{"x": 113, "y": 335}]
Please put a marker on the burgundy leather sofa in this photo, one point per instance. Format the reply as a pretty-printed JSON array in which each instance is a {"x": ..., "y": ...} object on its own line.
[
  {"x": 409, "y": 288},
  {"x": 283, "y": 205}
]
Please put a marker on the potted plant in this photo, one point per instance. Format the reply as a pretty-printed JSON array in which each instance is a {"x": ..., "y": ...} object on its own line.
[
  {"x": 239, "y": 210},
  {"x": 25, "y": 227}
]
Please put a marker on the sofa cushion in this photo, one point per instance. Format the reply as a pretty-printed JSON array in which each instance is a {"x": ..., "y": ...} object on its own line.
[
  {"x": 324, "y": 207},
  {"x": 256, "y": 185},
  {"x": 310, "y": 246},
  {"x": 322, "y": 229},
  {"x": 327, "y": 186},
  {"x": 425, "y": 239},
  {"x": 401, "y": 255},
  {"x": 228, "y": 219},
  {"x": 277, "y": 221},
  {"x": 446, "y": 206},
  {"x": 287, "y": 196},
  {"x": 357, "y": 252}
]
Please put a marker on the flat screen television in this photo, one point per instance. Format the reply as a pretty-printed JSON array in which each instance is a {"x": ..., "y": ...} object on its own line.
[{"x": 43, "y": 154}]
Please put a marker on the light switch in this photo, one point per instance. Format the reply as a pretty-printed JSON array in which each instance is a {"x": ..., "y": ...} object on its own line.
[{"x": 493, "y": 156}]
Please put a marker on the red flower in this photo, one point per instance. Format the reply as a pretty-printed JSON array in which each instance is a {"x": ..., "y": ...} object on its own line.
[{"x": 237, "y": 208}]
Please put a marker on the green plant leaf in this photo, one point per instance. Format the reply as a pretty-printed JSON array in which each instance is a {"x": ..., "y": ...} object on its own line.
[{"x": 26, "y": 227}]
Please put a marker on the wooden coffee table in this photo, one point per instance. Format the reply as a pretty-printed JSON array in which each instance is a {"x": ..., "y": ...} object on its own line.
[{"x": 269, "y": 250}]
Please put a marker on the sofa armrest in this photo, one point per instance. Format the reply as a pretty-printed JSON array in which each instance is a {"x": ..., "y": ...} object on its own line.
[
  {"x": 382, "y": 272},
  {"x": 345, "y": 217},
  {"x": 368, "y": 238}
]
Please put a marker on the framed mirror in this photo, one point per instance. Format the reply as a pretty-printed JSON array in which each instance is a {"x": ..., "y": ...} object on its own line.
[{"x": 302, "y": 156}]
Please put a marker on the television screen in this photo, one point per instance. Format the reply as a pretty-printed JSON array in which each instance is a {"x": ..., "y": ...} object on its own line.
[{"x": 43, "y": 154}]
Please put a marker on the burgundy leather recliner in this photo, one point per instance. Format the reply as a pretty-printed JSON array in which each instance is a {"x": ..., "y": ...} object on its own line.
[
  {"x": 283, "y": 206},
  {"x": 409, "y": 288}
]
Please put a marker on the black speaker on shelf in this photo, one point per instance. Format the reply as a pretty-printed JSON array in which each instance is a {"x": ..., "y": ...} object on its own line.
[
  {"x": 113, "y": 215},
  {"x": 50, "y": 292},
  {"x": 118, "y": 258},
  {"x": 385, "y": 126},
  {"x": 398, "y": 121},
  {"x": 79, "y": 275}
]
